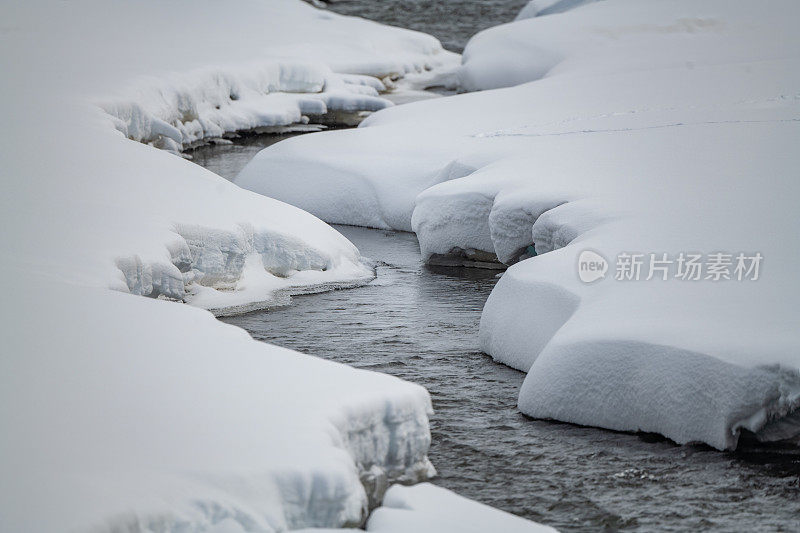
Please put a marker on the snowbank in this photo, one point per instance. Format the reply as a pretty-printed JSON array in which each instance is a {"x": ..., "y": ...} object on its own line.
[
  {"x": 123, "y": 215},
  {"x": 650, "y": 128},
  {"x": 261, "y": 66},
  {"x": 120, "y": 412},
  {"x": 170, "y": 229}
]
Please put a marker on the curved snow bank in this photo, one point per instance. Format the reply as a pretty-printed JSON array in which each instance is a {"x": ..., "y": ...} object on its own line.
[
  {"x": 679, "y": 365},
  {"x": 542, "y": 308},
  {"x": 532, "y": 48},
  {"x": 165, "y": 419},
  {"x": 659, "y": 128},
  {"x": 242, "y": 270},
  {"x": 376, "y": 193},
  {"x": 334, "y": 177},
  {"x": 179, "y": 112},
  {"x": 686, "y": 396},
  {"x": 151, "y": 226},
  {"x": 261, "y": 65},
  {"x": 497, "y": 210}
]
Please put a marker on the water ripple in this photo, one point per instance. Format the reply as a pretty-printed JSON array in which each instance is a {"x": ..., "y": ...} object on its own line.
[{"x": 421, "y": 325}]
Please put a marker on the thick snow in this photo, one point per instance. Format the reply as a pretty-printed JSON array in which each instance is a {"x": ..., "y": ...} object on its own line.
[
  {"x": 154, "y": 225},
  {"x": 650, "y": 127},
  {"x": 276, "y": 63},
  {"x": 121, "y": 412},
  {"x": 425, "y": 508}
]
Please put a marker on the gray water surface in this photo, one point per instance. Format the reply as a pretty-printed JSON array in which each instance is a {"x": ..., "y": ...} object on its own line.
[
  {"x": 420, "y": 324},
  {"x": 453, "y": 22}
]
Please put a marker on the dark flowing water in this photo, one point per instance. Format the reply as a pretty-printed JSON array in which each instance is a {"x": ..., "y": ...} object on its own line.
[
  {"x": 420, "y": 324},
  {"x": 453, "y": 22}
]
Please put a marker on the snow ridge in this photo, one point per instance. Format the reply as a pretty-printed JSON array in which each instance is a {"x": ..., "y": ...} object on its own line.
[
  {"x": 205, "y": 258},
  {"x": 390, "y": 445},
  {"x": 205, "y": 427},
  {"x": 194, "y": 107}
]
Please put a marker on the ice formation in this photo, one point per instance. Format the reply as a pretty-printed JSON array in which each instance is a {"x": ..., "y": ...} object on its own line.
[{"x": 621, "y": 126}]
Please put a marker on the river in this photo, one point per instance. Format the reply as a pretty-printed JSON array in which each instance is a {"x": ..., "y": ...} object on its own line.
[
  {"x": 452, "y": 22},
  {"x": 420, "y": 323}
]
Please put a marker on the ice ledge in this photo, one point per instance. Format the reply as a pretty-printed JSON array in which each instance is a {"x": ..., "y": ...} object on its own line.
[
  {"x": 387, "y": 443},
  {"x": 489, "y": 218},
  {"x": 236, "y": 271},
  {"x": 188, "y": 109},
  {"x": 204, "y": 426}
]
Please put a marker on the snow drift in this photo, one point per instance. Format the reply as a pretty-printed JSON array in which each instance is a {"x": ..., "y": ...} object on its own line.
[
  {"x": 170, "y": 229},
  {"x": 161, "y": 418},
  {"x": 624, "y": 127},
  {"x": 305, "y": 64}
]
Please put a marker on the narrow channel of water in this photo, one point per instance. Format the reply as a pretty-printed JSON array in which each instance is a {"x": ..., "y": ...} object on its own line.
[
  {"x": 452, "y": 22},
  {"x": 420, "y": 324}
]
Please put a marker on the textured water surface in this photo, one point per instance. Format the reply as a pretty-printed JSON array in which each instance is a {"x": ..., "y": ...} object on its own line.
[
  {"x": 453, "y": 22},
  {"x": 421, "y": 323}
]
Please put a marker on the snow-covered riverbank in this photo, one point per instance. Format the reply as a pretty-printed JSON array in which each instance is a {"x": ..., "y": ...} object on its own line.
[
  {"x": 138, "y": 220},
  {"x": 121, "y": 412},
  {"x": 305, "y": 65},
  {"x": 636, "y": 128}
]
